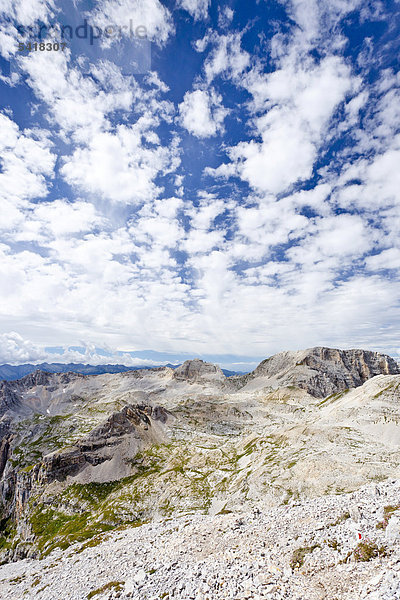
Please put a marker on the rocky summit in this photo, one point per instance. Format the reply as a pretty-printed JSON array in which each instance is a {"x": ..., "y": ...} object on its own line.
[{"x": 184, "y": 483}]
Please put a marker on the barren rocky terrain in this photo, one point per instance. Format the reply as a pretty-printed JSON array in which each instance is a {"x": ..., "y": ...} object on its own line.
[
  {"x": 309, "y": 549},
  {"x": 188, "y": 483}
]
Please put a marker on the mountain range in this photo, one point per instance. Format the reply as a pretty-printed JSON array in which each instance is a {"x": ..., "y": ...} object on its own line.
[
  {"x": 12, "y": 372},
  {"x": 84, "y": 454}
]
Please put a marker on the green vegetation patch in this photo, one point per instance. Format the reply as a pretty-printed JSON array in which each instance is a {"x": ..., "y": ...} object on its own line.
[
  {"x": 7, "y": 534},
  {"x": 112, "y": 585},
  {"x": 299, "y": 555},
  {"x": 387, "y": 514},
  {"x": 333, "y": 397},
  {"x": 54, "y": 529},
  {"x": 367, "y": 550},
  {"x": 93, "y": 493}
]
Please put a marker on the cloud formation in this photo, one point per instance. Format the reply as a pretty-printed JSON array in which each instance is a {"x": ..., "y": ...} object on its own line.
[
  {"x": 197, "y": 8},
  {"x": 242, "y": 196},
  {"x": 202, "y": 113}
]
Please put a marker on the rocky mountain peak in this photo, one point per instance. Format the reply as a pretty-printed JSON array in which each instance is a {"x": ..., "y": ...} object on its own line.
[
  {"x": 198, "y": 369},
  {"x": 322, "y": 371}
]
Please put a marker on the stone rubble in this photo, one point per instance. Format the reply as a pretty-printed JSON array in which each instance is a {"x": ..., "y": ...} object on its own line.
[{"x": 246, "y": 555}]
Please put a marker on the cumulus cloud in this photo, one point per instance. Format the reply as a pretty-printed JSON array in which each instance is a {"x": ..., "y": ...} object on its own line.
[
  {"x": 388, "y": 259},
  {"x": 78, "y": 106},
  {"x": 202, "y": 113},
  {"x": 27, "y": 168},
  {"x": 15, "y": 349},
  {"x": 118, "y": 166},
  {"x": 127, "y": 14},
  {"x": 21, "y": 12},
  {"x": 27, "y": 161},
  {"x": 118, "y": 163},
  {"x": 226, "y": 58},
  {"x": 293, "y": 108},
  {"x": 58, "y": 219},
  {"x": 197, "y": 8}
]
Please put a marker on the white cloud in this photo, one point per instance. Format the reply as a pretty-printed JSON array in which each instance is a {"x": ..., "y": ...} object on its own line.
[
  {"x": 25, "y": 13},
  {"x": 202, "y": 113},
  {"x": 225, "y": 16},
  {"x": 27, "y": 163},
  {"x": 157, "y": 226},
  {"x": 131, "y": 264},
  {"x": 372, "y": 184},
  {"x": 15, "y": 349},
  {"x": 388, "y": 259},
  {"x": 296, "y": 103},
  {"x": 116, "y": 163},
  {"x": 76, "y": 103},
  {"x": 227, "y": 58},
  {"x": 318, "y": 21},
  {"x": 197, "y": 8},
  {"x": 199, "y": 241},
  {"x": 118, "y": 166},
  {"x": 336, "y": 237},
  {"x": 65, "y": 218},
  {"x": 293, "y": 107},
  {"x": 151, "y": 14},
  {"x": 46, "y": 221}
]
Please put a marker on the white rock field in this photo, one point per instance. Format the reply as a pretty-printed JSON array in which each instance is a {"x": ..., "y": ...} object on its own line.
[{"x": 314, "y": 549}]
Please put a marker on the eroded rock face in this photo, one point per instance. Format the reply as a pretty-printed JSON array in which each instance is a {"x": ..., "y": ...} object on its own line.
[
  {"x": 324, "y": 371},
  {"x": 13, "y": 393},
  {"x": 5, "y": 438},
  {"x": 45, "y": 378}
]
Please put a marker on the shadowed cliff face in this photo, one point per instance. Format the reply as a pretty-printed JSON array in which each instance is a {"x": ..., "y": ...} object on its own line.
[
  {"x": 9, "y": 398},
  {"x": 82, "y": 454}
]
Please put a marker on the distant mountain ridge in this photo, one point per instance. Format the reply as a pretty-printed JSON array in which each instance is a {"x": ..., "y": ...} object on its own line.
[{"x": 12, "y": 372}]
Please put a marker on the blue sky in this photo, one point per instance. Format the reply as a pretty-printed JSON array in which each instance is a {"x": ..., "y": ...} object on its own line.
[{"x": 200, "y": 178}]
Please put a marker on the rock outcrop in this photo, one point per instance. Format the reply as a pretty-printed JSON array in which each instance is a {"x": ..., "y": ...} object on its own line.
[
  {"x": 9, "y": 397},
  {"x": 100, "y": 445},
  {"x": 197, "y": 370},
  {"x": 323, "y": 371}
]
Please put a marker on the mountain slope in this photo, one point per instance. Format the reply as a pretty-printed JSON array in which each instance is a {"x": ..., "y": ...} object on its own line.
[{"x": 308, "y": 549}]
